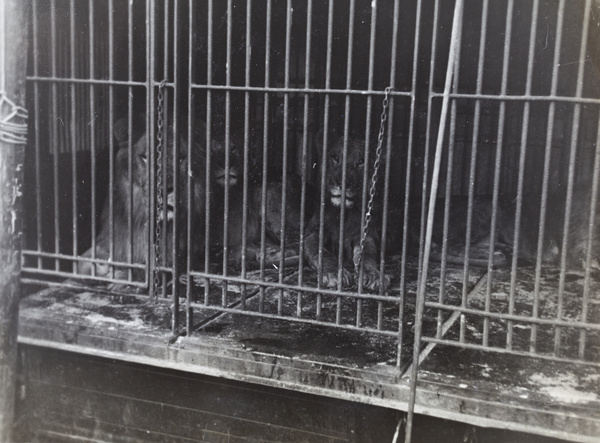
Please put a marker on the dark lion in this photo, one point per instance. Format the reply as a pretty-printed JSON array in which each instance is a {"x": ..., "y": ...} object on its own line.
[
  {"x": 578, "y": 239},
  {"x": 352, "y": 222},
  {"x": 134, "y": 189},
  {"x": 273, "y": 198}
]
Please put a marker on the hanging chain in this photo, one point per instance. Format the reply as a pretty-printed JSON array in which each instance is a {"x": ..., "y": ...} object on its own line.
[
  {"x": 160, "y": 110},
  {"x": 374, "y": 177}
]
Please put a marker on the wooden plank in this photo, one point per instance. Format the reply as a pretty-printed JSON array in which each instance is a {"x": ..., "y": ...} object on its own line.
[
  {"x": 13, "y": 40},
  {"x": 444, "y": 391},
  {"x": 481, "y": 388},
  {"x": 70, "y": 394}
]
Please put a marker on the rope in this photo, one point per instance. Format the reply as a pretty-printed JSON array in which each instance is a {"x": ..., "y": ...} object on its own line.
[{"x": 13, "y": 127}]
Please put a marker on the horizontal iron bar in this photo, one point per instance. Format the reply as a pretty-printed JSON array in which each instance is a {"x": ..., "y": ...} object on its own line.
[
  {"x": 98, "y": 290},
  {"x": 348, "y": 326},
  {"x": 80, "y": 277},
  {"x": 525, "y": 97},
  {"x": 78, "y": 258},
  {"x": 299, "y": 90},
  {"x": 354, "y": 295},
  {"x": 504, "y": 351},
  {"x": 512, "y": 317},
  {"x": 90, "y": 81}
]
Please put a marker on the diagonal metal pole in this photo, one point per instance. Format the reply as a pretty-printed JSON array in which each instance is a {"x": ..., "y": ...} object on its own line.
[
  {"x": 13, "y": 132},
  {"x": 420, "y": 308}
]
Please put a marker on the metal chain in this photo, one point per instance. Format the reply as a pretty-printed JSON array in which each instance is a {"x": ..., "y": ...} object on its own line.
[
  {"x": 159, "y": 196},
  {"x": 372, "y": 189}
]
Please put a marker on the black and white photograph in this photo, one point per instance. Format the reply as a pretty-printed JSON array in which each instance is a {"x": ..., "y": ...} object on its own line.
[{"x": 300, "y": 221}]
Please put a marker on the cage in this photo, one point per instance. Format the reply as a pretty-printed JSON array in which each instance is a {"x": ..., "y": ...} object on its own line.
[{"x": 382, "y": 201}]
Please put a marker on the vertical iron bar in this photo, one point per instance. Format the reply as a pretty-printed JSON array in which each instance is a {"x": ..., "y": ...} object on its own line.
[
  {"x": 150, "y": 131},
  {"x": 544, "y": 196},
  {"x": 165, "y": 162},
  {"x": 588, "y": 259},
  {"x": 72, "y": 127},
  {"x": 92, "y": 129},
  {"x": 390, "y": 123},
  {"x": 266, "y": 119},
  {"x": 448, "y": 190},
  {"x": 409, "y": 160},
  {"x": 324, "y": 153},
  {"x": 111, "y": 154},
  {"x": 497, "y": 163},
  {"x": 189, "y": 320},
  {"x": 55, "y": 150},
  {"x": 449, "y": 177},
  {"x": 304, "y": 160},
  {"x": 473, "y": 165},
  {"x": 519, "y": 201},
  {"x": 176, "y": 156},
  {"x": 226, "y": 196},
  {"x": 369, "y": 117},
  {"x": 450, "y": 162},
  {"x": 338, "y": 311},
  {"x": 571, "y": 173},
  {"x": 456, "y": 23},
  {"x": 284, "y": 166},
  {"x": 36, "y": 93},
  {"x": 130, "y": 153},
  {"x": 246, "y": 148},
  {"x": 207, "y": 213}
]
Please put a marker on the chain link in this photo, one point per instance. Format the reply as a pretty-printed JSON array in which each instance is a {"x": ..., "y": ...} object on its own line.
[
  {"x": 159, "y": 187},
  {"x": 372, "y": 188}
]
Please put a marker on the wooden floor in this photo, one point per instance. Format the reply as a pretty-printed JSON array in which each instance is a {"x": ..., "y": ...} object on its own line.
[{"x": 559, "y": 400}]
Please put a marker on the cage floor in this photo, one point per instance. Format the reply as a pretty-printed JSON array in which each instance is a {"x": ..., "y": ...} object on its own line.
[{"x": 558, "y": 399}]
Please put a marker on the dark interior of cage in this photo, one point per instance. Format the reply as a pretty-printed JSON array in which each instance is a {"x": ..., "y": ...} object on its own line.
[{"x": 510, "y": 170}]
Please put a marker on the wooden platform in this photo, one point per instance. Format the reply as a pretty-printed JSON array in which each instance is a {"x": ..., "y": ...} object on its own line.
[{"x": 560, "y": 400}]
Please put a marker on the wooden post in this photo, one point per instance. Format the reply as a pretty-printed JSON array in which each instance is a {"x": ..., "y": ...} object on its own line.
[{"x": 13, "y": 131}]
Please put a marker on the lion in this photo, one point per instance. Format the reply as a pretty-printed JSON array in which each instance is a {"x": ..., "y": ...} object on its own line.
[
  {"x": 234, "y": 179},
  {"x": 132, "y": 189},
  {"x": 353, "y": 215}
]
